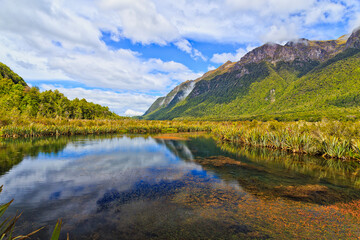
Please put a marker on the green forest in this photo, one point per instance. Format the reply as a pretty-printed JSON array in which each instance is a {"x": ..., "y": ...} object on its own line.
[{"x": 17, "y": 98}]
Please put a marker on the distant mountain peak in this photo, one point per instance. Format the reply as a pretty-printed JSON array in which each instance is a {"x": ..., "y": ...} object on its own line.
[
  {"x": 264, "y": 76},
  {"x": 300, "y": 49}
]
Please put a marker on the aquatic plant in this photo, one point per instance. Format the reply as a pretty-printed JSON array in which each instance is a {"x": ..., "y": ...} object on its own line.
[
  {"x": 331, "y": 139},
  {"x": 7, "y": 226}
]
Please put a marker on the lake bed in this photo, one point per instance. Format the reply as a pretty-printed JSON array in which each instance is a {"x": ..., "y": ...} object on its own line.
[{"x": 176, "y": 186}]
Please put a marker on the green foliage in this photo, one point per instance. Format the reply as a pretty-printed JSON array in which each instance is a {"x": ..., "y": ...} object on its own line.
[
  {"x": 331, "y": 139},
  {"x": 55, "y": 127},
  {"x": 285, "y": 91},
  {"x": 214, "y": 94},
  {"x": 16, "y": 97},
  {"x": 7, "y": 226},
  {"x": 56, "y": 233}
]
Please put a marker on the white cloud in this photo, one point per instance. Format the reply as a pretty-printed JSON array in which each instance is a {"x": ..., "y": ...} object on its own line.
[
  {"x": 224, "y": 57},
  {"x": 210, "y": 67},
  {"x": 243, "y": 21},
  {"x": 117, "y": 102},
  {"x": 162, "y": 22},
  {"x": 197, "y": 54},
  {"x": 25, "y": 60},
  {"x": 354, "y": 23},
  {"x": 325, "y": 12},
  {"x": 185, "y": 45},
  {"x": 140, "y": 21},
  {"x": 43, "y": 20},
  {"x": 122, "y": 70},
  {"x": 270, "y": 6},
  {"x": 280, "y": 34},
  {"x": 132, "y": 113},
  {"x": 60, "y": 43},
  {"x": 233, "y": 57}
]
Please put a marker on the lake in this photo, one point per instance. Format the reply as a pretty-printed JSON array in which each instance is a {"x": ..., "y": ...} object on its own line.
[{"x": 176, "y": 186}]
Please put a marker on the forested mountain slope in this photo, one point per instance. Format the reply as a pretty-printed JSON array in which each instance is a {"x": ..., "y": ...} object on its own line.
[{"x": 301, "y": 80}]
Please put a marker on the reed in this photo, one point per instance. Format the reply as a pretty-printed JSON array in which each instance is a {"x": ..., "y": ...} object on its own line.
[
  {"x": 330, "y": 168},
  {"x": 7, "y": 225},
  {"x": 330, "y": 139}
]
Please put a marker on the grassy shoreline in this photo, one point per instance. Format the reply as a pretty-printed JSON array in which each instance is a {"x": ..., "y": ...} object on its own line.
[
  {"x": 330, "y": 139},
  {"x": 57, "y": 127}
]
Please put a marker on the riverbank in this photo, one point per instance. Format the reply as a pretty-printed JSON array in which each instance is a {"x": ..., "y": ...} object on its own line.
[
  {"x": 330, "y": 139},
  {"x": 57, "y": 127}
]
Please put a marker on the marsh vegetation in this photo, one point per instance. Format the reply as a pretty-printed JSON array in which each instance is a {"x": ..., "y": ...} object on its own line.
[{"x": 327, "y": 138}]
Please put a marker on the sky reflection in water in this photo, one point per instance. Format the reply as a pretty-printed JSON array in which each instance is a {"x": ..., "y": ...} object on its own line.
[{"x": 139, "y": 187}]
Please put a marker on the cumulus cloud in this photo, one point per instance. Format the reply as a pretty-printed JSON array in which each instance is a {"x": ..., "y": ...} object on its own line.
[
  {"x": 224, "y": 57},
  {"x": 52, "y": 21},
  {"x": 325, "y": 12},
  {"x": 280, "y": 34},
  {"x": 132, "y": 113},
  {"x": 233, "y": 57},
  {"x": 244, "y": 21},
  {"x": 61, "y": 44},
  {"x": 140, "y": 21},
  {"x": 122, "y": 70}
]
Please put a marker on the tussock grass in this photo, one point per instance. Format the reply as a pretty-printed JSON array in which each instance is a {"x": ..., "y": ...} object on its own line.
[
  {"x": 55, "y": 127},
  {"x": 330, "y": 139}
]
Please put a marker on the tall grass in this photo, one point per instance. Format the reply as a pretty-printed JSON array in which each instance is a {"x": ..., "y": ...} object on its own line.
[
  {"x": 330, "y": 139},
  {"x": 56, "y": 127},
  {"x": 329, "y": 168}
]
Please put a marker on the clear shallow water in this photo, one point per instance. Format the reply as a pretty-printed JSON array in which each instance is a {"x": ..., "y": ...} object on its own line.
[{"x": 135, "y": 187}]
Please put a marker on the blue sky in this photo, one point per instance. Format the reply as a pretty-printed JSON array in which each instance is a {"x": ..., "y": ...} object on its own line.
[{"x": 126, "y": 53}]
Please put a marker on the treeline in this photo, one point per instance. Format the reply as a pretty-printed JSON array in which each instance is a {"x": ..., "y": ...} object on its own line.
[{"x": 16, "y": 98}]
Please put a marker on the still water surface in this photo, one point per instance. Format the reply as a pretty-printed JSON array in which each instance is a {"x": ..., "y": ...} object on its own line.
[{"x": 176, "y": 187}]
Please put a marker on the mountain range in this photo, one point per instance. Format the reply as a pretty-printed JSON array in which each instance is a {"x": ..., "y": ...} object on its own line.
[{"x": 303, "y": 79}]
